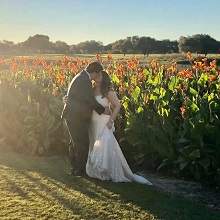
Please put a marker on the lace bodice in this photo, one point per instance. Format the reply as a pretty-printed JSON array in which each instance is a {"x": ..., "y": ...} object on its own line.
[{"x": 102, "y": 100}]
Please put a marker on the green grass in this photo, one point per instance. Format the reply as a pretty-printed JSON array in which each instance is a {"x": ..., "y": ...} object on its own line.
[{"x": 40, "y": 188}]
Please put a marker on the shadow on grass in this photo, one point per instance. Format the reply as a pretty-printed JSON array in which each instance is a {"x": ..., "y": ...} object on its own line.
[{"x": 50, "y": 181}]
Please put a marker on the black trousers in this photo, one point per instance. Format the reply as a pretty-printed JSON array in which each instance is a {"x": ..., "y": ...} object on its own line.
[{"x": 79, "y": 147}]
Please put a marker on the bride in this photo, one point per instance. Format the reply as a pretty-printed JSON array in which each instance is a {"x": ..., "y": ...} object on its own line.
[{"x": 105, "y": 158}]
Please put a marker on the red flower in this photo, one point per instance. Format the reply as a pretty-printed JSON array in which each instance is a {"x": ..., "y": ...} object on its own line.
[{"x": 183, "y": 111}]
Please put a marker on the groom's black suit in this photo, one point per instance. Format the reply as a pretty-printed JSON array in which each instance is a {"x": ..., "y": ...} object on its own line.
[{"x": 77, "y": 113}]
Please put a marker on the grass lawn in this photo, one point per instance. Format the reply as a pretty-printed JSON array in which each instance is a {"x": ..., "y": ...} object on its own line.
[{"x": 40, "y": 188}]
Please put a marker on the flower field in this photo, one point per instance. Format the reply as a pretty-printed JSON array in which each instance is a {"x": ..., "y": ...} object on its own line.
[{"x": 169, "y": 121}]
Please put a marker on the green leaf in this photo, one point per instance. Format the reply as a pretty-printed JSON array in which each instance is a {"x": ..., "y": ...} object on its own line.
[
  {"x": 173, "y": 83},
  {"x": 140, "y": 109},
  {"x": 195, "y": 154},
  {"x": 157, "y": 91},
  {"x": 135, "y": 94},
  {"x": 156, "y": 80},
  {"x": 153, "y": 97},
  {"x": 194, "y": 107},
  {"x": 133, "y": 79},
  {"x": 115, "y": 79},
  {"x": 203, "y": 79},
  {"x": 166, "y": 112},
  {"x": 205, "y": 96},
  {"x": 125, "y": 105},
  {"x": 205, "y": 163},
  {"x": 163, "y": 164},
  {"x": 193, "y": 91},
  {"x": 211, "y": 96},
  {"x": 183, "y": 164},
  {"x": 146, "y": 72},
  {"x": 125, "y": 102},
  {"x": 162, "y": 92}
]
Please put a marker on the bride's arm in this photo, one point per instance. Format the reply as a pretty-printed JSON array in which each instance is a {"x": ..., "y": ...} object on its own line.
[{"x": 116, "y": 106}]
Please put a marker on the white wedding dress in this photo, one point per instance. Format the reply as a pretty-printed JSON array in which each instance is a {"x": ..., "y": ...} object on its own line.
[{"x": 105, "y": 159}]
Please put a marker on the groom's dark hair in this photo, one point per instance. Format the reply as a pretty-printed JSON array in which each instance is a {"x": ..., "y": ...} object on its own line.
[{"x": 94, "y": 67}]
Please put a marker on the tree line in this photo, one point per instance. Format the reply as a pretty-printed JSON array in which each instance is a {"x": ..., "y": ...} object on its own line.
[{"x": 199, "y": 43}]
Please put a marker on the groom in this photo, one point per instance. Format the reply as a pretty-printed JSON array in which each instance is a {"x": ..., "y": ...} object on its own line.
[{"x": 77, "y": 113}]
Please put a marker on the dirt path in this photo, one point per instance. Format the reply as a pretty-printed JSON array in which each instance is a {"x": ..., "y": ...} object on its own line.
[{"x": 187, "y": 189}]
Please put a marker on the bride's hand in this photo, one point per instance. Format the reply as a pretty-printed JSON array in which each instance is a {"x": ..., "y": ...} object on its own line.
[{"x": 110, "y": 124}]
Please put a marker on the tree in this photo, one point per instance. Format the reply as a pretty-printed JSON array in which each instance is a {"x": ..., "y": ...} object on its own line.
[
  {"x": 107, "y": 48},
  {"x": 123, "y": 46},
  {"x": 37, "y": 43},
  {"x": 90, "y": 47},
  {"x": 199, "y": 43},
  {"x": 61, "y": 47},
  {"x": 146, "y": 45},
  {"x": 74, "y": 49},
  {"x": 166, "y": 46},
  {"x": 7, "y": 46},
  {"x": 126, "y": 46}
]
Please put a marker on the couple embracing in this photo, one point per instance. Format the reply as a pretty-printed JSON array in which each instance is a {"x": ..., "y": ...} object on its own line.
[{"x": 89, "y": 112}]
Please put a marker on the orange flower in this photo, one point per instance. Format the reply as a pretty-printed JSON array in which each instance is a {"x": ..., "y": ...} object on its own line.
[
  {"x": 186, "y": 74},
  {"x": 154, "y": 64},
  {"x": 27, "y": 71},
  {"x": 109, "y": 57},
  {"x": 14, "y": 66},
  {"x": 140, "y": 74},
  {"x": 133, "y": 63},
  {"x": 98, "y": 57},
  {"x": 213, "y": 64},
  {"x": 212, "y": 78},
  {"x": 198, "y": 64},
  {"x": 2, "y": 61},
  {"x": 61, "y": 79},
  {"x": 189, "y": 55},
  {"x": 172, "y": 69}
]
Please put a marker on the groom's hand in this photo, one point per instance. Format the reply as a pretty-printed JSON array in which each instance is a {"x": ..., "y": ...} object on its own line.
[{"x": 107, "y": 111}]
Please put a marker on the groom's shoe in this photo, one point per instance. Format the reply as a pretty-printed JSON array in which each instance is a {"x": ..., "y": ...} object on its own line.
[
  {"x": 80, "y": 174},
  {"x": 76, "y": 173},
  {"x": 83, "y": 174}
]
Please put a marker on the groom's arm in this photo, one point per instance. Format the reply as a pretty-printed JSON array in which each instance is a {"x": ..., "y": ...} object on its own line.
[
  {"x": 90, "y": 99},
  {"x": 82, "y": 90}
]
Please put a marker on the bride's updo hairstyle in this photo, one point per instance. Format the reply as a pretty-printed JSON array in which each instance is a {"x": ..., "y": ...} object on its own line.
[{"x": 106, "y": 84}]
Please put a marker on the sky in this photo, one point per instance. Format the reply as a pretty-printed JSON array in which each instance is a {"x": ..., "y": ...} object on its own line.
[{"x": 74, "y": 21}]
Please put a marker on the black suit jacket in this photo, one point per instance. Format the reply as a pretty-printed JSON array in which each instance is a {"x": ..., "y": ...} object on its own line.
[{"x": 81, "y": 101}]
